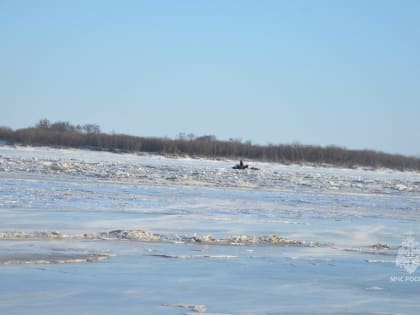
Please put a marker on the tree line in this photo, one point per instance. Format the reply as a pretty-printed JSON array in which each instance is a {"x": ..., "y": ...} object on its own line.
[{"x": 46, "y": 133}]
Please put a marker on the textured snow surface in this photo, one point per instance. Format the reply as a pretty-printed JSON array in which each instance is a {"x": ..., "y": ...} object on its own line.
[
  {"x": 130, "y": 168},
  {"x": 102, "y": 233}
]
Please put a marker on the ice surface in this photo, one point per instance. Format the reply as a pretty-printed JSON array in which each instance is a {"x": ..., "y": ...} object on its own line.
[
  {"x": 147, "y": 169},
  {"x": 101, "y": 233}
]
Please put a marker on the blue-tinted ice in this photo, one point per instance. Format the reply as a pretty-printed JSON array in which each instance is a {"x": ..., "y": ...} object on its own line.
[{"x": 99, "y": 233}]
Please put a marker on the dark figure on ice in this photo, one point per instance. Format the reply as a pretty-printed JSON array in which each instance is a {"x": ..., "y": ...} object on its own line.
[{"x": 240, "y": 166}]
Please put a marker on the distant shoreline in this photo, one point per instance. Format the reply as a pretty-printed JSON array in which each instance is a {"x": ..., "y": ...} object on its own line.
[
  {"x": 233, "y": 161},
  {"x": 64, "y": 134}
]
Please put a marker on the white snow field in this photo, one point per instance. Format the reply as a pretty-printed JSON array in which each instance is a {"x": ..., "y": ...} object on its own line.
[{"x": 85, "y": 232}]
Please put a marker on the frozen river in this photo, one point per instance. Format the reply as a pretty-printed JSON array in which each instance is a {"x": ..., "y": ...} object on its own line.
[{"x": 100, "y": 233}]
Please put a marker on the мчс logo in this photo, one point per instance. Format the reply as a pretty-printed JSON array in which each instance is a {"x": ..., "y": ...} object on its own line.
[{"x": 409, "y": 255}]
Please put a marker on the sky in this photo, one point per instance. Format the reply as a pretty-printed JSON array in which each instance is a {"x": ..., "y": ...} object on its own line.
[{"x": 343, "y": 73}]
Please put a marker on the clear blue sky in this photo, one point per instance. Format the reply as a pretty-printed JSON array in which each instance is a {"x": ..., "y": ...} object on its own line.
[{"x": 317, "y": 72}]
